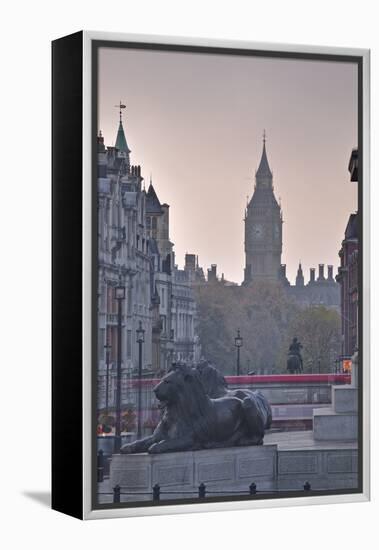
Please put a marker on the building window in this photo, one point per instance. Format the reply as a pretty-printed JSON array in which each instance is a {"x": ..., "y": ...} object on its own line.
[
  {"x": 163, "y": 323},
  {"x": 101, "y": 350},
  {"x": 129, "y": 301},
  {"x": 112, "y": 303},
  {"x": 129, "y": 344}
]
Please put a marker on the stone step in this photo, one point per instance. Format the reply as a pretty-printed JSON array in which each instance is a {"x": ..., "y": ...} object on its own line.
[
  {"x": 345, "y": 399},
  {"x": 329, "y": 425}
]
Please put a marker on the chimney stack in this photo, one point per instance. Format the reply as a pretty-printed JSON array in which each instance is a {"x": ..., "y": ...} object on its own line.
[
  {"x": 321, "y": 276},
  {"x": 312, "y": 275},
  {"x": 330, "y": 273},
  {"x": 190, "y": 262},
  {"x": 212, "y": 273}
]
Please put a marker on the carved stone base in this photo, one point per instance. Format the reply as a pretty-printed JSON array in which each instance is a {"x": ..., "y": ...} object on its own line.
[
  {"x": 219, "y": 469},
  {"x": 285, "y": 462},
  {"x": 340, "y": 421}
]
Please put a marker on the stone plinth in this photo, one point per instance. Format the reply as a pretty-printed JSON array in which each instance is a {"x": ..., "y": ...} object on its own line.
[
  {"x": 219, "y": 469},
  {"x": 340, "y": 421},
  {"x": 324, "y": 464},
  {"x": 285, "y": 462},
  {"x": 328, "y": 425},
  {"x": 345, "y": 399}
]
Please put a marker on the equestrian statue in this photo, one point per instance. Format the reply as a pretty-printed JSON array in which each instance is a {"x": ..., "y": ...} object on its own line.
[{"x": 295, "y": 360}]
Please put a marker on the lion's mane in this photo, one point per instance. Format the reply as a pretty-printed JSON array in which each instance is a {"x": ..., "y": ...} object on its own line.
[{"x": 192, "y": 406}]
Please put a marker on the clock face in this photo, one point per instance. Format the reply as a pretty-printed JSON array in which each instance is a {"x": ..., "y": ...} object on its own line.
[{"x": 257, "y": 231}]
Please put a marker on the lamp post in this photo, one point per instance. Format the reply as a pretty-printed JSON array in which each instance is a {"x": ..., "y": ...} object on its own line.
[
  {"x": 107, "y": 348},
  {"x": 119, "y": 296},
  {"x": 140, "y": 340},
  {"x": 336, "y": 366},
  {"x": 238, "y": 342}
]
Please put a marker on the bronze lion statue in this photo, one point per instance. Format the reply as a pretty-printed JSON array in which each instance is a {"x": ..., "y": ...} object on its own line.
[
  {"x": 215, "y": 386},
  {"x": 193, "y": 420}
]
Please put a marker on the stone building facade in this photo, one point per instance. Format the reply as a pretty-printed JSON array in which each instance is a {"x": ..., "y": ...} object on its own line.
[
  {"x": 348, "y": 274},
  {"x": 173, "y": 302},
  {"x": 123, "y": 259},
  {"x": 135, "y": 251}
]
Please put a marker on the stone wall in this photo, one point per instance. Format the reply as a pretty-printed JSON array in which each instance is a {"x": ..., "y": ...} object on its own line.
[{"x": 283, "y": 463}]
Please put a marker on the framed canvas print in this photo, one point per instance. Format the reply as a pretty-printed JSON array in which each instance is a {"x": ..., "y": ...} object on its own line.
[{"x": 210, "y": 275}]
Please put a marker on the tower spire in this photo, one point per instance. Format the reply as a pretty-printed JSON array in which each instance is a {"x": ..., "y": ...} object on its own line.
[
  {"x": 121, "y": 143},
  {"x": 300, "y": 275},
  {"x": 120, "y": 106},
  {"x": 264, "y": 175},
  {"x": 263, "y": 228}
]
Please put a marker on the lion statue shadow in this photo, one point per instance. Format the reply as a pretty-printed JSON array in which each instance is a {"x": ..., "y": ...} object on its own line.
[{"x": 199, "y": 412}]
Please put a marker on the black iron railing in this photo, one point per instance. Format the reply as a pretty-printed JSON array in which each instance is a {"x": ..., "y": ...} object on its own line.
[{"x": 202, "y": 492}]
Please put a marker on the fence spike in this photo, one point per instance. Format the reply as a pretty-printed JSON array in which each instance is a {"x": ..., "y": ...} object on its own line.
[
  {"x": 202, "y": 490},
  {"x": 117, "y": 494},
  {"x": 156, "y": 493},
  {"x": 253, "y": 488}
]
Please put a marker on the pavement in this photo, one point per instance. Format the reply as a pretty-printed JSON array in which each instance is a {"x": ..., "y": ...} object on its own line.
[{"x": 295, "y": 441}]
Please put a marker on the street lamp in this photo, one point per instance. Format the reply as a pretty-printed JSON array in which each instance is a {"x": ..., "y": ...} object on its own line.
[
  {"x": 140, "y": 340},
  {"x": 238, "y": 342},
  {"x": 336, "y": 368},
  {"x": 119, "y": 295},
  {"x": 107, "y": 348}
]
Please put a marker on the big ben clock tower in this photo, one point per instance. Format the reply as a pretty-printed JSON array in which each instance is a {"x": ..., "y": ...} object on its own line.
[{"x": 263, "y": 228}]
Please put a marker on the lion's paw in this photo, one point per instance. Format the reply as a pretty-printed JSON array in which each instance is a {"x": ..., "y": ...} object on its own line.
[
  {"x": 155, "y": 448},
  {"x": 126, "y": 449}
]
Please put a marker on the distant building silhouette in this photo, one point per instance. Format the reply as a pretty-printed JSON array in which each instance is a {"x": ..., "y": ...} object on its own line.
[
  {"x": 348, "y": 274},
  {"x": 264, "y": 241}
]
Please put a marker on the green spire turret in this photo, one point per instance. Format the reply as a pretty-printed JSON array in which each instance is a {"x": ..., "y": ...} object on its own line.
[{"x": 121, "y": 139}]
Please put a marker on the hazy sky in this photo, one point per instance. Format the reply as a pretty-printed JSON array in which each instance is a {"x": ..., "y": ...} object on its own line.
[{"x": 196, "y": 121}]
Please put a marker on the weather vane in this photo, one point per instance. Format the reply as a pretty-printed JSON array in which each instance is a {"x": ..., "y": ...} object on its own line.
[{"x": 120, "y": 106}]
